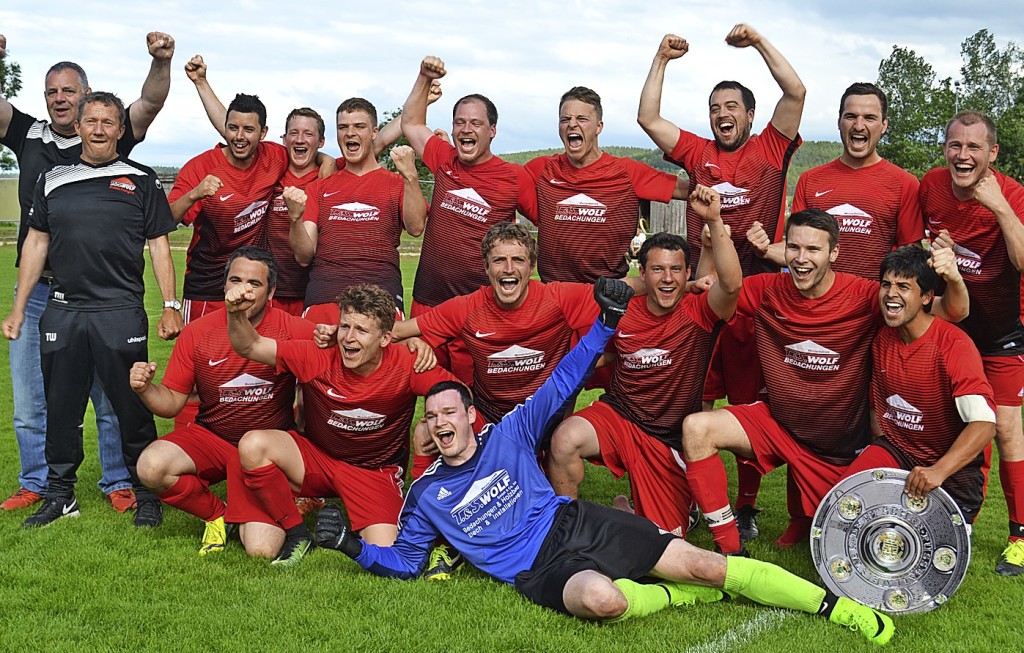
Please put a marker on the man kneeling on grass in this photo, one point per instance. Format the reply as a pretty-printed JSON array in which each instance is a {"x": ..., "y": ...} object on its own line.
[{"x": 488, "y": 497}]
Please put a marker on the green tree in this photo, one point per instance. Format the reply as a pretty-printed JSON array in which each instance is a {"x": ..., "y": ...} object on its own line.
[
  {"x": 919, "y": 107},
  {"x": 992, "y": 81},
  {"x": 10, "y": 84},
  {"x": 426, "y": 177}
]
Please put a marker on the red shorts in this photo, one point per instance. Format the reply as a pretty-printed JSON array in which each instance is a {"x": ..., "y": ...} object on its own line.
[
  {"x": 193, "y": 309},
  {"x": 371, "y": 496},
  {"x": 211, "y": 454},
  {"x": 1006, "y": 374},
  {"x": 452, "y": 355},
  {"x": 657, "y": 473},
  {"x": 735, "y": 369},
  {"x": 215, "y": 459},
  {"x": 289, "y": 305},
  {"x": 773, "y": 446}
]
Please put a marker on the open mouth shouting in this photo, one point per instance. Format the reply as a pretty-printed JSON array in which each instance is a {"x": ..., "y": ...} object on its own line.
[{"x": 444, "y": 438}]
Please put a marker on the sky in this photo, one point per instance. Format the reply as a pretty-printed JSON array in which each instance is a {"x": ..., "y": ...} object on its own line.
[{"x": 522, "y": 55}]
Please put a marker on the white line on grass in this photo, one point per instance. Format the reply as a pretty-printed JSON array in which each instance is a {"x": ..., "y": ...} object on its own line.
[{"x": 744, "y": 633}]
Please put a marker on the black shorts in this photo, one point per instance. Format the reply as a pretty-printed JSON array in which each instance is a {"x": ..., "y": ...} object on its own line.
[{"x": 586, "y": 536}]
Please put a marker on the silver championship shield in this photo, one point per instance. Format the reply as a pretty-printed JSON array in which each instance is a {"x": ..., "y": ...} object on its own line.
[{"x": 872, "y": 543}]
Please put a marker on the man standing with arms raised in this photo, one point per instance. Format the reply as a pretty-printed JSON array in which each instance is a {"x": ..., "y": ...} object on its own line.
[
  {"x": 749, "y": 172},
  {"x": 473, "y": 190}
]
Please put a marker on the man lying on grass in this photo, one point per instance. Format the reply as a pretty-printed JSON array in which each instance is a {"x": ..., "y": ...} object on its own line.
[{"x": 488, "y": 497}]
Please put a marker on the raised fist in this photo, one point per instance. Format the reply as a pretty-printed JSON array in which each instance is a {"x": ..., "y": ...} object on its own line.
[
  {"x": 295, "y": 200},
  {"x": 161, "y": 46},
  {"x": 743, "y": 36},
  {"x": 432, "y": 67},
  {"x": 673, "y": 47},
  {"x": 195, "y": 68},
  {"x": 141, "y": 376},
  {"x": 612, "y": 296}
]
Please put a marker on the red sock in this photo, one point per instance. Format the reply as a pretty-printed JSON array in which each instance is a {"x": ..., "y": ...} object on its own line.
[
  {"x": 710, "y": 487},
  {"x": 1011, "y": 477},
  {"x": 271, "y": 488},
  {"x": 420, "y": 462},
  {"x": 187, "y": 415},
  {"x": 748, "y": 483},
  {"x": 190, "y": 495}
]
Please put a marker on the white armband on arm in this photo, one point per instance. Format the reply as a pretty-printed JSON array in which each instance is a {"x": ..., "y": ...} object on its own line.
[{"x": 974, "y": 408}]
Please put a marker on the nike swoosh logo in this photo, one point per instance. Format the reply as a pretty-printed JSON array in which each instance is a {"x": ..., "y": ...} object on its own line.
[
  {"x": 780, "y": 316},
  {"x": 708, "y": 164},
  {"x": 214, "y": 363},
  {"x": 823, "y": 192},
  {"x": 226, "y": 197},
  {"x": 557, "y": 182},
  {"x": 334, "y": 395},
  {"x": 68, "y": 509},
  {"x": 334, "y": 193},
  {"x": 930, "y": 221},
  {"x": 484, "y": 335},
  {"x": 625, "y": 335}
]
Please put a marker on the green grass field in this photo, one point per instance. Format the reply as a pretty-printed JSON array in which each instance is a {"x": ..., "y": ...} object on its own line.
[{"x": 98, "y": 584}]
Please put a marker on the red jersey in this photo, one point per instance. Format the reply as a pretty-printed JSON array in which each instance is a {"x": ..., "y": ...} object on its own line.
[
  {"x": 363, "y": 421},
  {"x": 359, "y": 218},
  {"x": 513, "y": 351},
  {"x": 230, "y": 218},
  {"x": 751, "y": 181},
  {"x": 914, "y": 387},
  {"x": 816, "y": 359},
  {"x": 291, "y": 277},
  {"x": 467, "y": 201},
  {"x": 235, "y": 394},
  {"x": 587, "y": 216},
  {"x": 876, "y": 208},
  {"x": 992, "y": 281},
  {"x": 661, "y": 362}
]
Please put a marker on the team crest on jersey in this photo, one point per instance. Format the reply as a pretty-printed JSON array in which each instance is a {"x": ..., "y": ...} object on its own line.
[
  {"x": 354, "y": 212},
  {"x": 851, "y": 219},
  {"x": 903, "y": 414},
  {"x": 809, "y": 355},
  {"x": 515, "y": 359},
  {"x": 357, "y": 420},
  {"x": 246, "y": 388},
  {"x": 485, "y": 501},
  {"x": 466, "y": 202},
  {"x": 646, "y": 359},
  {"x": 732, "y": 196},
  {"x": 251, "y": 215},
  {"x": 967, "y": 261},
  {"x": 123, "y": 184},
  {"x": 580, "y": 208}
]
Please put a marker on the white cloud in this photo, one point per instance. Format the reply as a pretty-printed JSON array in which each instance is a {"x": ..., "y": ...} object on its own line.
[{"x": 521, "y": 55}]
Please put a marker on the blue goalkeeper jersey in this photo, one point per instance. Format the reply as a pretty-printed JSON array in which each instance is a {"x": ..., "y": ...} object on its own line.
[{"x": 497, "y": 507}]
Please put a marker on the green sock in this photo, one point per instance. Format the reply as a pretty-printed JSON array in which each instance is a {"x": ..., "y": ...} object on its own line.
[
  {"x": 771, "y": 585},
  {"x": 641, "y": 600}
]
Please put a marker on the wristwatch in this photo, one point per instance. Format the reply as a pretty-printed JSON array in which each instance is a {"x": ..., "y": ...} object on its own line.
[{"x": 172, "y": 303}]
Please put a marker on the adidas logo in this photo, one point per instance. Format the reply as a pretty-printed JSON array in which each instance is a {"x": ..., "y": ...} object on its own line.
[{"x": 443, "y": 493}]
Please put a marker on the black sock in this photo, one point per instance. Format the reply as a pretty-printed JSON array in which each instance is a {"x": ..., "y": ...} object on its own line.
[{"x": 828, "y": 604}]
